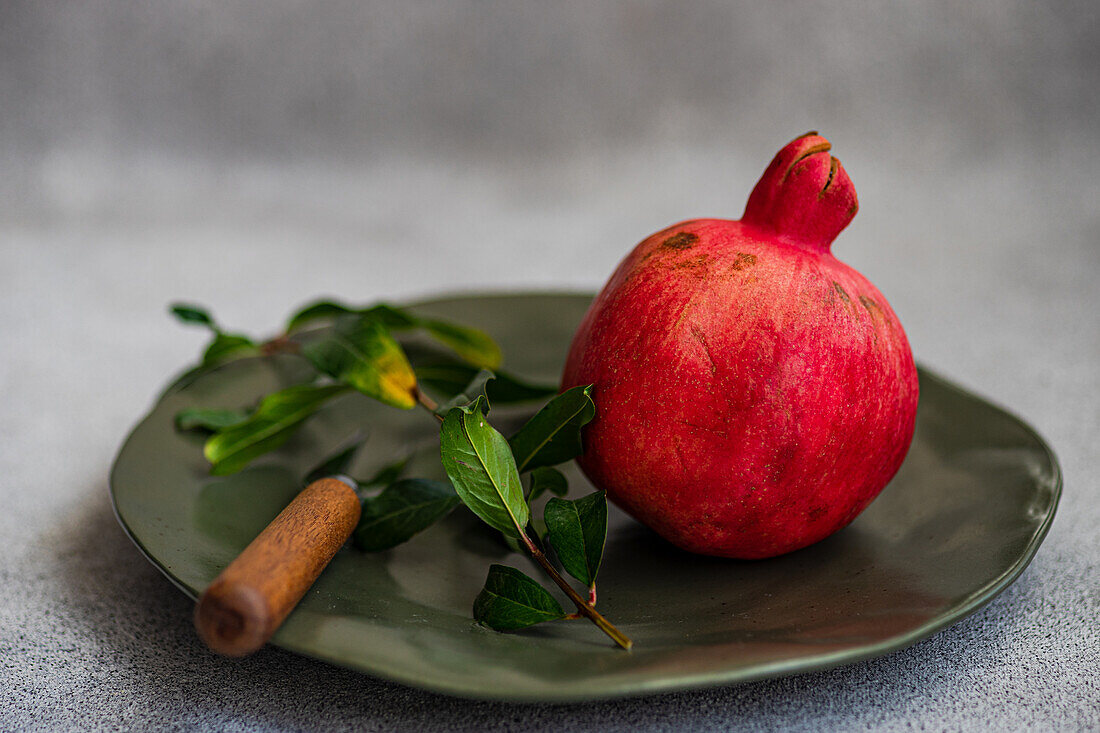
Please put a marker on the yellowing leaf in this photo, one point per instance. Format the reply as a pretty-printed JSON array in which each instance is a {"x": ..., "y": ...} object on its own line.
[{"x": 361, "y": 353}]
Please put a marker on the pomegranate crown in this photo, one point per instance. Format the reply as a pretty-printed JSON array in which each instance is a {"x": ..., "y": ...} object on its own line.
[{"x": 805, "y": 195}]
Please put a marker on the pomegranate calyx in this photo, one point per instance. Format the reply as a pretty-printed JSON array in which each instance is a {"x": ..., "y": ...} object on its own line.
[{"x": 805, "y": 195}]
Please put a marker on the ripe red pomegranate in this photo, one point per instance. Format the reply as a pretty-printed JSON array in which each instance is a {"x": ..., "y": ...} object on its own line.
[{"x": 754, "y": 394}]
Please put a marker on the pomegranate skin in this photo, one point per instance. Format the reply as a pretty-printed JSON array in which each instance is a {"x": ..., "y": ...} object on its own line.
[{"x": 753, "y": 393}]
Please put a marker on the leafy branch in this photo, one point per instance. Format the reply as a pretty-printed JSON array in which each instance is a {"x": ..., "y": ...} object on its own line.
[{"x": 360, "y": 351}]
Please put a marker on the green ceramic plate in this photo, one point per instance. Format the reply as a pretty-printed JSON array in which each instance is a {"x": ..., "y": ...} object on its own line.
[{"x": 958, "y": 524}]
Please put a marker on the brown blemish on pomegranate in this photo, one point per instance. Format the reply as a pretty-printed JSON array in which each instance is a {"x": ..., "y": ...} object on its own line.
[
  {"x": 681, "y": 241},
  {"x": 676, "y": 243},
  {"x": 870, "y": 305},
  {"x": 743, "y": 261},
  {"x": 840, "y": 291}
]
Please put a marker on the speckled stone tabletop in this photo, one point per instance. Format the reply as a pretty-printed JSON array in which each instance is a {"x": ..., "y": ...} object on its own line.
[{"x": 252, "y": 160}]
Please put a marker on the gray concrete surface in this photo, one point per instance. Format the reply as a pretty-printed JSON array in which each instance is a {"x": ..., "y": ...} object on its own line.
[{"x": 253, "y": 157}]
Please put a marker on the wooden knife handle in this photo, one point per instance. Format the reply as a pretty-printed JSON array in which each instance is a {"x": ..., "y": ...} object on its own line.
[{"x": 243, "y": 607}]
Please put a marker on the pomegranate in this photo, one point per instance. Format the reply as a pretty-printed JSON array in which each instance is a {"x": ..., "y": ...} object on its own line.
[{"x": 754, "y": 394}]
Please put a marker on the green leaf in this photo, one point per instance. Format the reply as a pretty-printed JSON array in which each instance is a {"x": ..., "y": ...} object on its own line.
[
  {"x": 476, "y": 388},
  {"x": 231, "y": 449},
  {"x": 578, "y": 530},
  {"x": 360, "y": 352},
  {"x": 402, "y": 510},
  {"x": 205, "y": 418},
  {"x": 473, "y": 345},
  {"x": 450, "y": 377},
  {"x": 226, "y": 346},
  {"x": 395, "y": 319},
  {"x": 480, "y": 465},
  {"x": 512, "y": 600},
  {"x": 188, "y": 313},
  {"x": 223, "y": 346},
  {"x": 553, "y": 435},
  {"x": 338, "y": 461},
  {"x": 547, "y": 479},
  {"x": 318, "y": 310},
  {"x": 387, "y": 474}
]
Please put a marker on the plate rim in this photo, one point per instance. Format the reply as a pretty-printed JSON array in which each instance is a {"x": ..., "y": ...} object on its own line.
[{"x": 635, "y": 688}]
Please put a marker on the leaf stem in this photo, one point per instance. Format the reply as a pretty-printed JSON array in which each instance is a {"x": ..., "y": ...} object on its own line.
[
  {"x": 280, "y": 345},
  {"x": 582, "y": 605},
  {"x": 428, "y": 404}
]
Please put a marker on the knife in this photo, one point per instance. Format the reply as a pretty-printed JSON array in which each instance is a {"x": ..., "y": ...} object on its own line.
[{"x": 249, "y": 600}]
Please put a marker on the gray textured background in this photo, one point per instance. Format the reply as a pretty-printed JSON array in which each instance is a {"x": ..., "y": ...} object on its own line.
[{"x": 251, "y": 156}]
